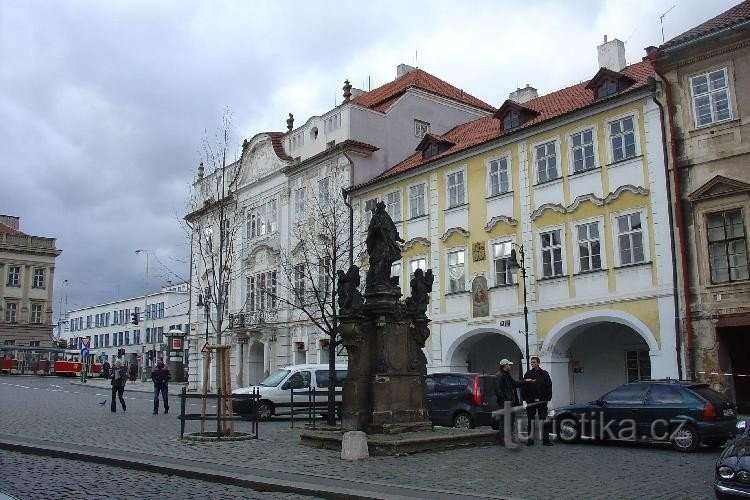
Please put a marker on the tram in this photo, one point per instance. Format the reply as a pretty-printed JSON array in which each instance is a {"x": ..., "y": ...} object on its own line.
[{"x": 20, "y": 360}]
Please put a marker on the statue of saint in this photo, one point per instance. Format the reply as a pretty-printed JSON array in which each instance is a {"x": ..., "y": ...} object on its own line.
[
  {"x": 421, "y": 287},
  {"x": 347, "y": 289},
  {"x": 382, "y": 247}
]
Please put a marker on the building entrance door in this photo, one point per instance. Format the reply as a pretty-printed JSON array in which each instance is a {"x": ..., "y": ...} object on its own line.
[{"x": 734, "y": 342}]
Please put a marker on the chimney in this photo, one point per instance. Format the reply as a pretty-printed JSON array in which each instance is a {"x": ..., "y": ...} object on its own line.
[
  {"x": 11, "y": 221},
  {"x": 611, "y": 54},
  {"x": 403, "y": 69},
  {"x": 522, "y": 95}
]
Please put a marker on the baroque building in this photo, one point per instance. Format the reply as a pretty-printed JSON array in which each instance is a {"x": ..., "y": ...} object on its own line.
[
  {"x": 706, "y": 74},
  {"x": 279, "y": 187},
  {"x": 570, "y": 185},
  {"x": 27, "y": 268}
]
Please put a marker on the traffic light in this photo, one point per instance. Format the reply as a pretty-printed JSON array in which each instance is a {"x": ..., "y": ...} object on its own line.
[{"x": 134, "y": 318}]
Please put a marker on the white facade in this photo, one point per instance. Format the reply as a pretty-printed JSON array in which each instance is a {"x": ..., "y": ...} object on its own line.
[{"x": 110, "y": 326}]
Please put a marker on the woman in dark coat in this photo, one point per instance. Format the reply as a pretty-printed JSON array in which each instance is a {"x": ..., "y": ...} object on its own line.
[{"x": 119, "y": 377}]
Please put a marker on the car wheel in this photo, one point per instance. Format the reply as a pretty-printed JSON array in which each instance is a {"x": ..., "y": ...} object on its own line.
[
  {"x": 569, "y": 431},
  {"x": 462, "y": 420},
  {"x": 265, "y": 410},
  {"x": 685, "y": 438}
]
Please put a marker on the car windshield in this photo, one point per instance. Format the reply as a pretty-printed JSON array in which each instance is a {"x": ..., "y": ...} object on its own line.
[{"x": 275, "y": 378}]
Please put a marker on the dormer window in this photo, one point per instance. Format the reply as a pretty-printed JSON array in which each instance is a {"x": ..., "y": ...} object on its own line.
[
  {"x": 430, "y": 150},
  {"x": 607, "y": 83},
  {"x": 606, "y": 89},
  {"x": 512, "y": 119},
  {"x": 514, "y": 114}
]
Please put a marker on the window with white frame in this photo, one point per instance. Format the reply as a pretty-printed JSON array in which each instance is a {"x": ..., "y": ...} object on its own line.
[
  {"x": 11, "y": 312},
  {"x": 630, "y": 238},
  {"x": 39, "y": 275},
  {"x": 393, "y": 205},
  {"x": 369, "y": 208},
  {"x": 14, "y": 275},
  {"x": 551, "y": 246},
  {"x": 498, "y": 176},
  {"x": 622, "y": 138},
  {"x": 324, "y": 188},
  {"x": 727, "y": 247},
  {"x": 500, "y": 263},
  {"x": 456, "y": 271},
  {"x": 710, "y": 97},
  {"x": 396, "y": 270},
  {"x": 263, "y": 219},
  {"x": 582, "y": 150},
  {"x": 456, "y": 195},
  {"x": 421, "y": 129},
  {"x": 299, "y": 284},
  {"x": 589, "y": 247},
  {"x": 299, "y": 202},
  {"x": 261, "y": 291},
  {"x": 324, "y": 272},
  {"x": 546, "y": 162},
  {"x": 416, "y": 201},
  {"x": 417, "y": 263}
]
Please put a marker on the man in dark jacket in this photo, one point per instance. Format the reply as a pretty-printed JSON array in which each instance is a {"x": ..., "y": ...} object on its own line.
[
  {"x": 160, "y": 376},
  {"x": 105, "y": 369},
  {"x": 506, "y": 391},
  {"x": 537, "y": 392}
]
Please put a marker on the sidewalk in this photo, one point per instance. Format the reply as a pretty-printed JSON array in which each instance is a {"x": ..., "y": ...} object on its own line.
[{"x": 137, "y": 386}]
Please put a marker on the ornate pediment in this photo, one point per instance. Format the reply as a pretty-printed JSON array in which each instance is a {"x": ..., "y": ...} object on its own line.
[
  {"x": 261, "y": 257},
  {"x": 259, "y": 159},
  {"x": 717, "y": 187},
  {"x": 591, "y": 198}
]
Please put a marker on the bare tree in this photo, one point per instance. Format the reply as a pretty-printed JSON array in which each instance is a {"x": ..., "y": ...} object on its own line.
[
  {"x": 215, "y": 223},
  {"x": 320, "y": 245}
]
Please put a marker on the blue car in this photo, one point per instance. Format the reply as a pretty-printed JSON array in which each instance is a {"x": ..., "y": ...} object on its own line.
[
  {"x": 733, "y": 467},
  {"x": 682, "y": 413}
]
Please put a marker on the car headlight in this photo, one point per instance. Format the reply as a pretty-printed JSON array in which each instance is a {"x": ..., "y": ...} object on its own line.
[
  {"x": 744, "y": 476},
  {"x": 726, "y": 472},
  {"x": 550, "y": 413}
]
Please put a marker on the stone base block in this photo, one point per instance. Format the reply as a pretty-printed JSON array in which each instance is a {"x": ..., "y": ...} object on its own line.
[{"x": 354, "y": 446}]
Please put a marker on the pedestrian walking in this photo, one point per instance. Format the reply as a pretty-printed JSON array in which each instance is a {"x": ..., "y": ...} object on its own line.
[
  {"x": 506, "y": 390},
  {"x": 133, "y": 371},
  {"x": 160, "y": 376},
  {"x": 119, "y": 377},
  {"x": 537, "y": 392},
  {"x": 105, "y": 369}
]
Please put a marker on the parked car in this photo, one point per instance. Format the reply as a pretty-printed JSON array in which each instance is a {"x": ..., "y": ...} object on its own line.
[
  {"x": 464, "y": 400},
  {"x": 733, "y": 466},
  {"x": 276, "y": 390},
  {"x": 683, "y": 413}
]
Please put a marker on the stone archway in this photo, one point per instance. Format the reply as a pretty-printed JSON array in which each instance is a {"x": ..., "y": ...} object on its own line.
[
  {"x": 588, "y": 355},
  {"x": 480, "y": 350}
]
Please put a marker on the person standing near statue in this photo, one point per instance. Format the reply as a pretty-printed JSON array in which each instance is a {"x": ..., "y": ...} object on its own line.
[
  {"x": 537, "y": 392},
  {"x": 160, "y": 376}
]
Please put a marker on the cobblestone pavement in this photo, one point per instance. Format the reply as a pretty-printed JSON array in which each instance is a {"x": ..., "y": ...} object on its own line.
[
  {"x": 53, "y": 408},
  {"x": 70, "y": 479}
]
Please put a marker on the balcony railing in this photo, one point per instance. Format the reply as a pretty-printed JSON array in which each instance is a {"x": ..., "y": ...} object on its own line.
[{"x": 247, "y": 319}]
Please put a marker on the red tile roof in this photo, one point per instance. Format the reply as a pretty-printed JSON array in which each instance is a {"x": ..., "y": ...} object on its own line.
[
  {"x": 738, "y": 14},
  {"x": 548, "y": 106},
  {"x": 383, "y": 97},
  {"x": 277, "y": 139},
  {"x": 9, "y": 230}
]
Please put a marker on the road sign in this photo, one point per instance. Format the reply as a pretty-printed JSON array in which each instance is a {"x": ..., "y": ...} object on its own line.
[
  {"x": 86, "y": 341},
  {"x": 85, "y": 352}
]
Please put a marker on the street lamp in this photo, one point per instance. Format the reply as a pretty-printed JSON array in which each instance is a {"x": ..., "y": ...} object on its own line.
[
  {"x": 206, "y": 310},
  {"x": 518, "y": 264},
  {"x": 146, "y": 312}
]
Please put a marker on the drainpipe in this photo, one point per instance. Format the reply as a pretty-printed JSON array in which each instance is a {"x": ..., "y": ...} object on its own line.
[
  {"x": 653, "y": 55},
  {"x": 675, "y": 283}
]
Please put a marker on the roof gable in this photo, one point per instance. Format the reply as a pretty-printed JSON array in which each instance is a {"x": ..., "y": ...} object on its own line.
[
  {"x": 524, "y": 114},
  {"x": 383, "y": 97},
  {"x": 719, "y": 186},
  {"x": 605, "y": 75}
]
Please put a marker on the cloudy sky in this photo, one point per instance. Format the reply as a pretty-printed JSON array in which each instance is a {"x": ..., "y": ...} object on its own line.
[{"x": 104, "y": 105}]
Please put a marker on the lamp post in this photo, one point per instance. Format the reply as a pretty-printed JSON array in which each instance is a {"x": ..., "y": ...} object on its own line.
[
  {"x": 517, "y": 265},
  {"x": 206, "y": 311},
  {"x": 145, "y": 309}
]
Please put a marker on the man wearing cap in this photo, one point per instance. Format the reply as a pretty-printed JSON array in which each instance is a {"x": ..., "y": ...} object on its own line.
[{"x": 505, "y": 390}]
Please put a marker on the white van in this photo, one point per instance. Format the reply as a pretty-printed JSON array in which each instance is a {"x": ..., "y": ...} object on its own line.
[{"x": 276, "y": 390}]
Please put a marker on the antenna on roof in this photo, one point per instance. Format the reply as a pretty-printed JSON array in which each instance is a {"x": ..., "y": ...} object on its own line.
[
  {"x": 416, "y": 58},
  {"x": 369, "y": 83},
  {"x": 661, "y": 20}
]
